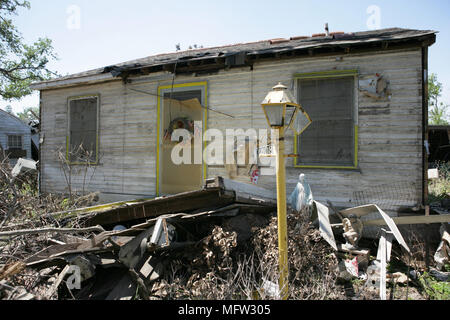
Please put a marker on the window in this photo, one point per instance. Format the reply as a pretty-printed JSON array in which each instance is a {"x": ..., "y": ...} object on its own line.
[
  {"x": 15, "y": 142},
  {"x": 329, "y": 141},
  {"x": 83, "y": 129}
]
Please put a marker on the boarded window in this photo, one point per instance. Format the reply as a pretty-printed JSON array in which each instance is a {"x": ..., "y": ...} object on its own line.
[
  {"x": 329, "y": 140},
  {"x": 83, "y": 113},
  {"x": 15, "y": 142}
]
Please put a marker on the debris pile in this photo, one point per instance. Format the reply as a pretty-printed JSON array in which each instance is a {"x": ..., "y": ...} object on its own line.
[
  {"x": 220, "y": 242},
  {"x": 312, "y": 262},
  {"x": 193, "y": 232}
]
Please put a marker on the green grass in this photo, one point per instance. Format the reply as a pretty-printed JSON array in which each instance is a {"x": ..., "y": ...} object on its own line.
[
  {"x": 436, "y": 290},
  {"x": 439, "y": 189}
]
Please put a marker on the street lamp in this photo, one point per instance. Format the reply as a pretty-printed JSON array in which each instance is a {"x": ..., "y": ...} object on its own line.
[{"x": 283, "y": 112}]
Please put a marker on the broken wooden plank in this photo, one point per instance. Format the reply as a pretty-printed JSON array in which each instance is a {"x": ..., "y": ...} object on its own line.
[
  {"x": 358, "y": 252},
  {"x": 11, "y": 269},
  {"x": 389, "y": 236},
  {"x": 243, "y": 189},
  {"x": 58, "y": 259},
  {"x": 359, "y": 211},
  {"x": 157, "y": 229},
  {"x": 51, "y": 292},
  {"x": 182, "y": 202},
  {"x": 51, "y": 229},
  {"x": 411, "y": 220},
  {"x": 50, "y": 251},
  {"x": 213, "y": 213}
]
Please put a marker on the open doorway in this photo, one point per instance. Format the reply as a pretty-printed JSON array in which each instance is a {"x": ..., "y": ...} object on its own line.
[{"x": 179, "y": 108}]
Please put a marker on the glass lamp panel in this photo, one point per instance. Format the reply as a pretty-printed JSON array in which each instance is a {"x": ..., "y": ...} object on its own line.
[
  {"x": 291, "y": 111},
  {"x": 301, "y": 122},
  {"x": 274, "y": 114}
]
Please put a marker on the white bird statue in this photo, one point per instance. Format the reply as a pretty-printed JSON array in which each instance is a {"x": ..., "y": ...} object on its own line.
[{"x": 301, "y": 197}]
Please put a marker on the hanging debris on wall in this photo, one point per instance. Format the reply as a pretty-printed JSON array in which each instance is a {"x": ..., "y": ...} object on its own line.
[{"x": 376, "y": 87}]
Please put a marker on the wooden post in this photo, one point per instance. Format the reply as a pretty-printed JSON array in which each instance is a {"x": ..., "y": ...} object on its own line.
[
  {"x": 383, "y": 254},
  {"x": 282, "y": 218},
  {"x": 427, "y": 242}
]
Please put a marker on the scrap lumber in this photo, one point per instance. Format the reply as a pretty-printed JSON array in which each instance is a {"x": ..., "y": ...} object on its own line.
[
  {"x": 388, "y": 236},
  {"x": 51, "y": 292},
  {"x": 11, "y": 269},
  {"x": 411, "y": 220},
  {"x": 51, "y": 229},
  {"x": 113, "y": 269},
  {"x": 216, "y": 193},
  {"x": 54, "y": 255},
  {"x": 92, "y": 210},
  {"x": 51, "y": 251},
  {"x": 243, "y": 189},
  {"x": 181, "y": 202}
]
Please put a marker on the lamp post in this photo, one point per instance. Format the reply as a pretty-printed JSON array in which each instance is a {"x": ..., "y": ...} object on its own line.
[{"x": 283, "y": 112}]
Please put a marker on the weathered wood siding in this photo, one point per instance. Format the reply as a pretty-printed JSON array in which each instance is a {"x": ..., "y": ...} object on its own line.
[
  {"x": 127, "y": 133},
  {"x": 389, "y": 144},
  {"x": 10, "y": 125}
]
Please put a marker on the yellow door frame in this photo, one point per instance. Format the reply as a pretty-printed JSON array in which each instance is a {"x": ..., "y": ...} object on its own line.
[{"x": 202, "y": 84}]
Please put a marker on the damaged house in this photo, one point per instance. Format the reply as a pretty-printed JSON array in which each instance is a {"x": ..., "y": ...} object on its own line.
[
  {"x": 15, "y": 138},
  {"x": 365, "y": 93}
]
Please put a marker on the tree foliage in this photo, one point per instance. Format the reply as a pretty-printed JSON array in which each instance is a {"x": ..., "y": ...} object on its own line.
[
  {"x": 437, "y": 110},
  {"x": 20, "y": 63},
  {"x": 30, "y": 113}
]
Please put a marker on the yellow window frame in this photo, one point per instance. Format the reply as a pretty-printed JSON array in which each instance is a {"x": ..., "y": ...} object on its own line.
[
  {"x": 203, "y": 84},
  {"x": 96, "y": 162},
  {"x": 329, "y": 75}
]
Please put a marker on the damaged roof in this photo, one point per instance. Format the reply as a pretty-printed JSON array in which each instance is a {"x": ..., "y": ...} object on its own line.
[{"x": 207, "y": 60}]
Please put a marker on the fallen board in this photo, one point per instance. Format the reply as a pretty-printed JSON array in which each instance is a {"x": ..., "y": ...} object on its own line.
[
  {"x": 242, "y": 189},
  {"x": 216, "y": 193},
  {"x": 182, "y": 202},
  {"x": 411, "y": 220}
]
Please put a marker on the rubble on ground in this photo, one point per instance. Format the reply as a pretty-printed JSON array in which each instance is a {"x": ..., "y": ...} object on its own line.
[{"x": 220, "y": 242}]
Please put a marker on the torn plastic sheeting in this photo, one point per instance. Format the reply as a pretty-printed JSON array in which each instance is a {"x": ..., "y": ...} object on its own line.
[{"x": 348, "y": 268}]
